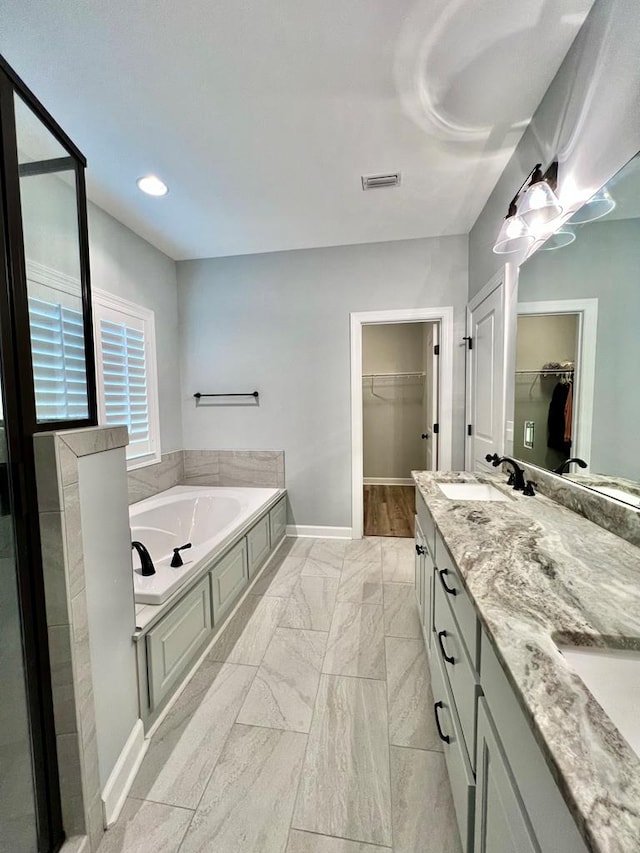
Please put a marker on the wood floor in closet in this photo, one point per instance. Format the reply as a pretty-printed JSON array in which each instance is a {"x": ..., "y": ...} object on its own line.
[{"x": 389, "y": 511}]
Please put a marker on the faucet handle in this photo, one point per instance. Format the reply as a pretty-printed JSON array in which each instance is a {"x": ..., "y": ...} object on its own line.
[
  {"x": 493, "y": 458},
  {"x": 176, "y": 560},
  {"x": 528, "y": 489}
]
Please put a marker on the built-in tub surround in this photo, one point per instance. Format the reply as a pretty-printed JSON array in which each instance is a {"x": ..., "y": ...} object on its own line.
[
  {"x": 541, "y": 576},
  {"x": 206, "y": 517},
  {"x": 252, "y": 468}
]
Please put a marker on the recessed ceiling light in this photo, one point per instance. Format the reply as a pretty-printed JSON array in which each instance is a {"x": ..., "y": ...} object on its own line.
[{"x": 152, "y": 185}]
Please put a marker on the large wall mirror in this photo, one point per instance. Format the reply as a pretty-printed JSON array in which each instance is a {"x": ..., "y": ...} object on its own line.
[{"x": 577, "y": 368}]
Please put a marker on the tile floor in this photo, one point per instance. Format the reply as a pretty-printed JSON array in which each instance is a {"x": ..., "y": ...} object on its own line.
[{"x": 309, "y": 727}]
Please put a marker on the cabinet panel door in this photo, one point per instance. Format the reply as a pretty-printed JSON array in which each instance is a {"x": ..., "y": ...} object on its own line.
[
  {"x": 258, "y": 545},
  {"x": 419, "y": 569},
  {"x": 173, "y": 642},
  {"x": 278, "y": 522},
  {"x": 228, "y": 579},
  {"x": 502, "y": 825}
]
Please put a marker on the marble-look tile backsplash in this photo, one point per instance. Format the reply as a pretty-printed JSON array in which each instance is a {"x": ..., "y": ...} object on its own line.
[
  {"x": 148, "y": 481},
  {"x": 260, "y": 468}
]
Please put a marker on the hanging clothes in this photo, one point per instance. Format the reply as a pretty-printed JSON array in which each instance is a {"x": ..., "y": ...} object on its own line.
[
  {"x": 556, "y": 422},
  {"x": 568, "y": 416}
]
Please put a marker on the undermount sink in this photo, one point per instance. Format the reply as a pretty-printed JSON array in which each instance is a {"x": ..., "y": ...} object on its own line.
[
  {"x": 471, "y": 492},
  {"x": 612, "y": 492},
  {"x": 613, "y": 677}
]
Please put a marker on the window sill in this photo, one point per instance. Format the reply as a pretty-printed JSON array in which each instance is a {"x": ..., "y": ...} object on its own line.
[{"x": 143, "y": 461}]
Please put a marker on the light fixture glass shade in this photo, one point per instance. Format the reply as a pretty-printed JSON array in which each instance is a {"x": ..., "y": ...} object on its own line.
[
  {"x": 599, "y": 205},
  {"x": 563, "y": 237},
  {"x": 152, "y": 185},
  {"x": 538, "y": 204},
  {"x": 513, "y": 236}
]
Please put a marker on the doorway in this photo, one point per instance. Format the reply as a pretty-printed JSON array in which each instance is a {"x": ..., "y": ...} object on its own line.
[{"x": 401, "y": 401}]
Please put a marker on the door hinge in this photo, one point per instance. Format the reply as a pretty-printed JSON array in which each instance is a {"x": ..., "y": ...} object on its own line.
[
  {"x": 469, "y": 429},
  {"x": 469, "y": 341},
  {"x": 436, "y": 428},
  {"x": 436, "y": 349}
]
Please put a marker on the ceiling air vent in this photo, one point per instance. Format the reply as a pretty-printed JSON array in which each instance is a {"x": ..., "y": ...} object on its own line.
[{"x": 372, "y": 182}]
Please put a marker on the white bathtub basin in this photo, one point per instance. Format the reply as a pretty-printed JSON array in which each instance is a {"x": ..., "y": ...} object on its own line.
[
  {"x": 207, "y": 517},
  {"x": 613, "y": 677},
  {"x": 471, "y": 492}
]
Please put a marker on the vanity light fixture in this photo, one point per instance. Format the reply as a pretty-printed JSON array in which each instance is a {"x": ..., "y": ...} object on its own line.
[
  {"x": 564, "y": 236},
  {"x": 152, "y": 185},
  {"x": 528, "y": 210},
  {"x": 599, "y": 205}
]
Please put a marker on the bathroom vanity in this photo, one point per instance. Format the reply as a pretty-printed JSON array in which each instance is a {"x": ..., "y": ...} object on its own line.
[{"x": 515, "y": 593}]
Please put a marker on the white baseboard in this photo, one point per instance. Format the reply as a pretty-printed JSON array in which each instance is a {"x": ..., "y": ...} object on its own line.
[
  {"x": 388, "y": 481},
  {"x": 318, "y": 532},
  {"x": 122, "y": 776}
]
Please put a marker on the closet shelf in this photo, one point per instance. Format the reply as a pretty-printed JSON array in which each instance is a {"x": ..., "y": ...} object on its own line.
[{"x": 386, "y": 375}]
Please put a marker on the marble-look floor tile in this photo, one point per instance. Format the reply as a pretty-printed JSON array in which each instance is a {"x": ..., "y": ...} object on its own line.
[
  {"x": 246, "y": 637},
  {"x": 411, "y": 721},
  {"x": 284, "y": 690},
  {"x": 423, "y": 811},
  {"x": 401, "y": 618},
  {"x": 279, "y": 580},
  {"x": 356, "y": 641},
  {"x": 184, "y": 749},
  {"x": 398, "y": 562},
  {"x": 145, "y": 827},
  {"x": 249, "y": 800},
  {"x": 299, "y": 546},
  {"x": 311, "y": 604},
  {"x": 307, "y": 842},
  {"x": 345, "y": 785},
  {"x": 325, "y": 558},
  {"x": 361, "y": 582},
  {"x": 369, "y": 548}
]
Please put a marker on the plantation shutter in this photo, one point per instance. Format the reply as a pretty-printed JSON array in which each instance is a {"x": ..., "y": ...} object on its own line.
[
  {"x": 59, "y": 367},
  {"x": 125, "y": 383}
]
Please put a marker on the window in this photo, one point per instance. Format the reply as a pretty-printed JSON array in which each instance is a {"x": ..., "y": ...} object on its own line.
[{"x": 127, "y": 374}]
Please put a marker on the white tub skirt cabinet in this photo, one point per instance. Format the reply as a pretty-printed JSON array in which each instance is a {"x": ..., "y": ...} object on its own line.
[
  {"x": 168, "y": 646},
  {"x": 505, "y": 798}
]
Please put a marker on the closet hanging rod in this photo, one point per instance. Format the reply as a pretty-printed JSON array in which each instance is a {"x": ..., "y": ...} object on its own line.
[
  {"x": 255, "y": 394},
  {"x": 554, "y": 372},
  {"x": 376, "y": 375}
]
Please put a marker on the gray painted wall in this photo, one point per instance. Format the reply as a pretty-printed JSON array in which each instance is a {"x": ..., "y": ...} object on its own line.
[
  {"x": 280, "y": 323},
  {"x": 589, "y": 119},
  {"x": 603, "y": 262},
  {"x": 126, "y": 265}
]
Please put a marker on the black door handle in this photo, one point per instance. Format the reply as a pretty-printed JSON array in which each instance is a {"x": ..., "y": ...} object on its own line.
[
  {"x": 448, "y": 658},
  {"x": 450, "y": 590},
  {"x": 419, "y": 550},
  {"x": 436, "y": 708},
  {"x": 425, "y": 435}
]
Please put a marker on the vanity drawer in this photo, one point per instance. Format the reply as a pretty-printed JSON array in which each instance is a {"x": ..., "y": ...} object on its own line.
[
  {"x": 426, "y": 522},
  {"x": 461, "y": 776},
  {"x": 228, "y": 578},
  {"x": 278, "y": 522},
  {"x": 258, "y": 545},
  {"x": 448, "y": 645},
  {"x": 448, "y": 579},
  {"x": 175, "y": 640}
]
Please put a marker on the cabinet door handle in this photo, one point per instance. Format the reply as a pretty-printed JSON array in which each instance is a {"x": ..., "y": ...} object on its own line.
[
  {"x": 448, "y": 658},
  {"x": 420, "y": 549},
  {"x": 450, "y": 590},
  {"x": 436, "y": 708}
]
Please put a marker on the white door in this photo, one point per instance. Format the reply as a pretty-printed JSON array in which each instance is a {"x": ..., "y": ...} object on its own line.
[
  {"x": 430, "y": 398},
  {"x": 486, "y": 374}
]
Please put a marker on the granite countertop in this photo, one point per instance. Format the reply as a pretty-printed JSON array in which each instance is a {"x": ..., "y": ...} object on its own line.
[{"x": 540, "y": 574}]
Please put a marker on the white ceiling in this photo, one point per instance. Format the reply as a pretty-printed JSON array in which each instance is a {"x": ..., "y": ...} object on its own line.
[{"x": 262, "y": 115}]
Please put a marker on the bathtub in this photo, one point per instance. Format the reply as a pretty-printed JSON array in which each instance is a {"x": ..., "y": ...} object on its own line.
[{"x": 211, "y": 518}]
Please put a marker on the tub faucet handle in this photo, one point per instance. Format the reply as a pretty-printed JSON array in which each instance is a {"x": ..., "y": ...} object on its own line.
[{"x": 176, "y": 560}]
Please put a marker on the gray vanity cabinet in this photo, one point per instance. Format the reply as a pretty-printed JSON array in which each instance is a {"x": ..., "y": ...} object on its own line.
[
  {"x": 501, "y": 822},
  {"x": 419, "y": 569}
]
